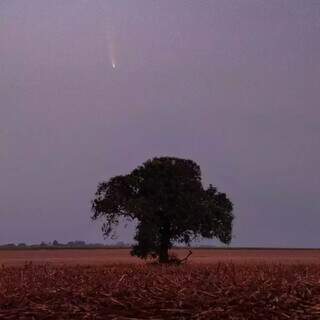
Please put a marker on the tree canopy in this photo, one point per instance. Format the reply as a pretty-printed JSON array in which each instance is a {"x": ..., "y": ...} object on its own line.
[{"x": 166, "y": 197}]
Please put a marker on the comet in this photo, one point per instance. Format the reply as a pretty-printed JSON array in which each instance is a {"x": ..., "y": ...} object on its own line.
[{"x": 112, "y": 55}]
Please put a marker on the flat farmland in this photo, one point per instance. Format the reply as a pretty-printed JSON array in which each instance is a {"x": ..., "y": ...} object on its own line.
[
  {"x": 112, "y": 256},
  {"x": 110, "y": 284}
]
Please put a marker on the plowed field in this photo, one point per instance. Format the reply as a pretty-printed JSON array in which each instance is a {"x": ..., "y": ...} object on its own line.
[{"x": 106, "y": 284}]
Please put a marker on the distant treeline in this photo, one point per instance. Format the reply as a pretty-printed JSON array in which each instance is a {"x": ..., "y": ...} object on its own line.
[{"x": 77, "y": 244}]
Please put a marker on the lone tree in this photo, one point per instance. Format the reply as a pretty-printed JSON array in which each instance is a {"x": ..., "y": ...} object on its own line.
[{"x": 166, "y": 198}]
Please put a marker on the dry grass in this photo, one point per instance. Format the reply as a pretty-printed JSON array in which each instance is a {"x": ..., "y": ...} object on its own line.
[{"x": 194, "y": 291}]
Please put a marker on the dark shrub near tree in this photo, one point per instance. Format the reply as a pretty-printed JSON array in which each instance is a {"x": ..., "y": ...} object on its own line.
[{"x": 167, "y": 199}]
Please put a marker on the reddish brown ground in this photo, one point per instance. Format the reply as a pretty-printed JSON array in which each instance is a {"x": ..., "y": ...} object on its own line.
[
  {"x": 255, "y": 285},
  {"x": 110, "y": 256},
  {"x": 215, "y": 291}
]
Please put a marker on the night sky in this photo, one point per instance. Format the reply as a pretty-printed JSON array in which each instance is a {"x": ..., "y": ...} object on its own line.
[{"x": 91, "y": 89}]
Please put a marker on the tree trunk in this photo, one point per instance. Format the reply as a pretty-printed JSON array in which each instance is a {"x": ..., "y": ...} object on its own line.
[
  {"x": 164, "y": 253},
  {"x": 164, "y": 242}
]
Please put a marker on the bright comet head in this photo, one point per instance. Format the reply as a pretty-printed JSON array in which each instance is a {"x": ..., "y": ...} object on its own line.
[{"x": 113, "y": 65}]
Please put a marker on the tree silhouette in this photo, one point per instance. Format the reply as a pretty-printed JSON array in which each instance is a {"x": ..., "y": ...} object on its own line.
[{"x": 166, "y": 197}]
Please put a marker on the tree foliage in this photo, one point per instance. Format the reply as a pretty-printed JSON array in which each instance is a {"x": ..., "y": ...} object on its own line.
[{"x": 166, "y": 197}]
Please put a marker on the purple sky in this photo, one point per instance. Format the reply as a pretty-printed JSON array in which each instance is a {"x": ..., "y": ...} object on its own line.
[{"x": 233, "y": 85}]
